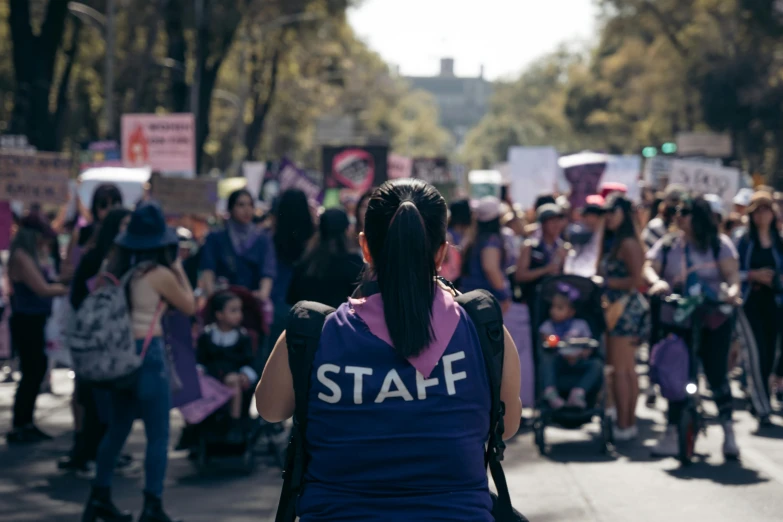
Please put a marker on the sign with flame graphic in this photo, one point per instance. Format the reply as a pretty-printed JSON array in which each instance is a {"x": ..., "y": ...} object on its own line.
[{"x": 165, "y": 143}]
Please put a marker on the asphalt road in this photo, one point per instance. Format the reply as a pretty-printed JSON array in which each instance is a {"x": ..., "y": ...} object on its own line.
[{"x": 575, "y": 483}]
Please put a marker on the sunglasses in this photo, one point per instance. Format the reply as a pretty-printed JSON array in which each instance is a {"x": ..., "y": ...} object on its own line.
[
  {"x": 684, "y": 211},
  {"x": 107, "y": 203}
]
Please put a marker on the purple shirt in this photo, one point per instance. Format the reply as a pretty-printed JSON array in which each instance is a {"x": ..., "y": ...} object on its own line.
[{"x": 704, "y": 263}]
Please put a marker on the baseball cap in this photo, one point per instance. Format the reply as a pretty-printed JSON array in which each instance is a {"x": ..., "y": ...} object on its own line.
[
  {"x": 487, "y": 209},
  {"x": 743, "y": 197},
  {"x": 608, "y": 188},
  {"x": 548, "y": 211}
]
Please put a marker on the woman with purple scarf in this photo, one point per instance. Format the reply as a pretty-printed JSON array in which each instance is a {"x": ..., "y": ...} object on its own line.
[{"x": 239, "y": 255}]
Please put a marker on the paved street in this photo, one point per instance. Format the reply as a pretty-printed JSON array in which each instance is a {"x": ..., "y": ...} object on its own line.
[{"x": 576, "y": 483}]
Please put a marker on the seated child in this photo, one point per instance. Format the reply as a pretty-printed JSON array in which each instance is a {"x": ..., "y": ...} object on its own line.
[
  {"x": 225, "y": 352},
  {"x": 578, "y": 367}
]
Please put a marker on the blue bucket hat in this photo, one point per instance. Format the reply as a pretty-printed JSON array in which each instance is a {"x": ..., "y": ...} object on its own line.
[{"x": 147, "y": 229}]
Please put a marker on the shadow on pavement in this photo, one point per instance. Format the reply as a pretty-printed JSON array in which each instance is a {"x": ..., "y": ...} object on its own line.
[{"x": 727, "y": 474}]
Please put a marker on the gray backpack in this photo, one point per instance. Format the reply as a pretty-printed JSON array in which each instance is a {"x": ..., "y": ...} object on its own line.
[{"x": 100, "y": 336}]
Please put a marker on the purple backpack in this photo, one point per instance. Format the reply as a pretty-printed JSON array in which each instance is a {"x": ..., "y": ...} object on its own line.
[{"x": 669, "y": 362}]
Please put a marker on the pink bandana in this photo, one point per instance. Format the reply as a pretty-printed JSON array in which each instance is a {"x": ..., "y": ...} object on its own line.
[{"x": 445, "y": 318}]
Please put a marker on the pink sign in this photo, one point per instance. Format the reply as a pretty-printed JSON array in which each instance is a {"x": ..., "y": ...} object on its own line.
[
  {"x": 165, "y": 143},
  {"x": 213, "y": 396},
  {"x": 400, "y": 166}
]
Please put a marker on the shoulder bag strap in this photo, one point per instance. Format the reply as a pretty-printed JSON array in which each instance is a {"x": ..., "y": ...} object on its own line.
[
  {"x": 487, "y": 317},
  {"x": 303, "y": 334}
]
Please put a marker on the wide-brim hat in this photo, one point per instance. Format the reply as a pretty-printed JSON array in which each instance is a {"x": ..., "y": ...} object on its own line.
[
  {"x": 759, "y": 200},
  {"x": 34, "y": 221},
  {"x": 147, "y": 229}
]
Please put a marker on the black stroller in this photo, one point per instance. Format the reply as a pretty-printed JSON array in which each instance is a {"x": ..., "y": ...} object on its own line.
[{"x": 588, "y": 308}]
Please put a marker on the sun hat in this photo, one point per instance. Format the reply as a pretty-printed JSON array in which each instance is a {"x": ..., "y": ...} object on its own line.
[
  {"x": 147, "y": 229},
  {"x": 34, "y": 221},
  {"x": 487, "y": 209},
  {"x": 760, "y": 199},
  {"x": 548, "y": 211}
]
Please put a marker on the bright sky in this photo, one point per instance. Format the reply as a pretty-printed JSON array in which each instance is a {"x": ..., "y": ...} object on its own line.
[{"x": 504, "y": 35}]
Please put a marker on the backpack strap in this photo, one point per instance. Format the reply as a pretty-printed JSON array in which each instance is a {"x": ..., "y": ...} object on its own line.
[
  {"x": 303, "y": 334},
  {"x": 484, "y": 310}
]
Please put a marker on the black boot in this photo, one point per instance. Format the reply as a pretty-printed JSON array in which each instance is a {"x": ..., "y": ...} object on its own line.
[
  {"x": 153, "y": 510},
  {"x": 100, "y": 507}
]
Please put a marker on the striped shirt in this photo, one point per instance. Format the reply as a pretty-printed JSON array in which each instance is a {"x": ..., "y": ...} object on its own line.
[{"x": 654, "y": 231}]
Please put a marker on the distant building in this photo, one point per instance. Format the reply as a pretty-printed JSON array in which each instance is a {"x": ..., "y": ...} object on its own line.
[{"x": 462, "y": 101}]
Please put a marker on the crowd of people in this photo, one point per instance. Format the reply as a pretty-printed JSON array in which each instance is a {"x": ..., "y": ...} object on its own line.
[{"x": 673, "y": 242}]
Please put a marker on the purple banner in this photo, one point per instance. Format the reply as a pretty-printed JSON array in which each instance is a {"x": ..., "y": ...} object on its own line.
[
  {"x": 292, "y": 177},
  {"x": 178, "y": 334}
]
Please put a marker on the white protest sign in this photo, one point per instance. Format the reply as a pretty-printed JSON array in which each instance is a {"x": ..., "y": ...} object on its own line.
[
  {"x": 625, "y": 170},
  {"x": 254, "y": 171},
  {"x": 706, "y": 179},
  {"x": 534, "y": 171}
]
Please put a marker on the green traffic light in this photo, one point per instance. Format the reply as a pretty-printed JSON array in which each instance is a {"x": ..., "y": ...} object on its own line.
[
  {"x": 669, "y": 148},
  {"x": 649, "y": 152}
]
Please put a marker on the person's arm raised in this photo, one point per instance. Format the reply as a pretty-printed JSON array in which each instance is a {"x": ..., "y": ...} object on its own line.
[{"x": 174, "y": 287}]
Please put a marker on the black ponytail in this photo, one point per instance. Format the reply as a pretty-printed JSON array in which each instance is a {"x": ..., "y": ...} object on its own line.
[{"x": 405, "y": 226}]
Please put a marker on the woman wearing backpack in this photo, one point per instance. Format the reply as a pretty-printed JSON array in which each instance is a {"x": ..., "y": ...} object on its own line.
[
  {"x": 699, "y": 259},
  {"x": 159, "y": 282},
  {"x": 31, "y": 305},
  {"x": 399, "y": 407}
]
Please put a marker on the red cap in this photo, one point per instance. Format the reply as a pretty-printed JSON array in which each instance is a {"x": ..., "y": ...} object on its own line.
[
  {"x": 595, "y": 200},
  {"x": 608, "y": 188}
]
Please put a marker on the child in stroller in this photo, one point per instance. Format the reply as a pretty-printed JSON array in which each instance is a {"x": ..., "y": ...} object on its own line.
[
  {"x": 566, "y": 364},
  {"x": 225, "y": 352}
]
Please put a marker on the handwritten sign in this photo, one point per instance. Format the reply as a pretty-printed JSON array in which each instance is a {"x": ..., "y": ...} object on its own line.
[
  {"x": 213, "y": 396},
  {"x": 39, "y": 177},
  {"x": 706, "y": 179},
  {"x": 165, "y": 143},
  {"x": 292, "y": 177},
  {"x": 179, "y": 196}
]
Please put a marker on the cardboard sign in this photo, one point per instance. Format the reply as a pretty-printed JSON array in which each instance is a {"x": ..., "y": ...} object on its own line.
[
  {"x": 165, "y": 143},
  {"x": 213, "y": 396},
  {"x": 40, "y": 177},
  {"x": 706, "y": 179},
  {"x": 179, "y": 196},
  {"x": 355, "y": 168},
  {"x": 292, "y": 177},
  {"x": 432, "y": 170},
  {"x": 533, "y": 171}
]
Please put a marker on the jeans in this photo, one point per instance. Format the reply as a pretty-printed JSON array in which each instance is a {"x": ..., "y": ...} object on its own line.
[
  {"x": 556, "y": 372},
  {"x": 151, "y": 402},
  {"x": 27, "y": 336},
  {"x": 714, "y": 355}
]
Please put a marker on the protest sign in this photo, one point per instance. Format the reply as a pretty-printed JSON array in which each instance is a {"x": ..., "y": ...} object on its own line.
[
  {"x": 165, "y": 143},
  {"x": 179, "y": 342},
  {"x": 292, "y": 177},
  {"x": 100, "y": 154},
  {"x": 658, "y": 169},
  {"x": 706, "y": 179},
  {"x": 254, "y": 172},
  {"x": 39, "y": 177},
  {"x": 355, "y": 168},
  {"x": 432, "y": 170},
  {"x": 213, "y": 396},
  {"x": 533, "y": 171},
  {"x": 584, "y": 173},
  {"x": 710, "y": 144},
  {"x": 625, "y": 170},
  {"x": 185, "y": 196},
  {"x": 400, "y": 166}
]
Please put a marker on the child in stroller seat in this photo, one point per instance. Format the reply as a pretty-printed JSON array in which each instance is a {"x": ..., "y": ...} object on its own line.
[
  {"x": 225, "y": 352},
  {"x": 570, "y": 367}
]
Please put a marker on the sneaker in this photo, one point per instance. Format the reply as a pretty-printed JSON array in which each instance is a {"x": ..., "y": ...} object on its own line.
[
  {"x": 730, "y": 448},
  {"x": 577, "y": 399},
  {"x": 668, "y": 445},
  {"x": 86, "y": 471},
  {"x": 626, "y": 434},
  {"x": 553, "y": 399}
]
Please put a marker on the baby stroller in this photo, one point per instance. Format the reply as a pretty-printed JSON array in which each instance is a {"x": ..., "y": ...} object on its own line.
[
  {"x": 208, "y": 439},
  {"x": 588, "y": 308}
]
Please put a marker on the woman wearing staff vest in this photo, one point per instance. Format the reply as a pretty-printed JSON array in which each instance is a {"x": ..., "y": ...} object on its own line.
[{"x": 399, "y": 404}]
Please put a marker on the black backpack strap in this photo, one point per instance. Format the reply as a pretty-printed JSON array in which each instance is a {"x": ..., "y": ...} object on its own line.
[
  {"x": 487, "y": 317},
  {"x": 303, "y": 333}
]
